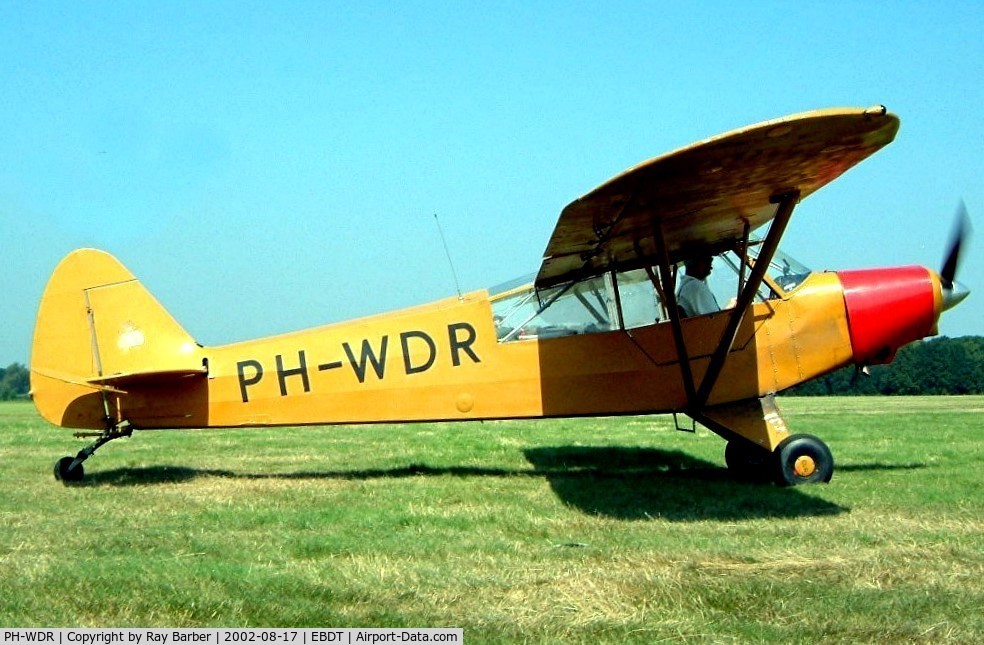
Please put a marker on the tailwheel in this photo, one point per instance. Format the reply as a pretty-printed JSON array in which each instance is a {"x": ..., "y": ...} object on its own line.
[
  {"x": 67, "y": 471},
  {"x": 802, "y": 459},
  {"x": 746, "y": 460}
]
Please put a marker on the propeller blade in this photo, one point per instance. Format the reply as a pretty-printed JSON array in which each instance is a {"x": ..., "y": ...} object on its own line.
[{"x": 961, "y": 231}]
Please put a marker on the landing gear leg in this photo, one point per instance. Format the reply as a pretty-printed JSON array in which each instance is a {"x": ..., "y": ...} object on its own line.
[
  {"x": 68, "y": 470},
  {"x": 760, "y": 445}
]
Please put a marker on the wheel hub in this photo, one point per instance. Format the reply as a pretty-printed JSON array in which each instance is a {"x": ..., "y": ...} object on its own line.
[{"x": 804, "y": 466}]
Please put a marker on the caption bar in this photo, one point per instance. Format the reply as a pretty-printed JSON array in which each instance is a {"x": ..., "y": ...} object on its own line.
[{"x": 345, "y": 636}]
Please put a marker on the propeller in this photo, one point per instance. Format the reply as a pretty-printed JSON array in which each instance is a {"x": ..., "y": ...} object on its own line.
[{"x": 953, "y": 291}]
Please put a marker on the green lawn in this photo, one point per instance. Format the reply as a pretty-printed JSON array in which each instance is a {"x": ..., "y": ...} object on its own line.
[{"x": 585, "y": 530}]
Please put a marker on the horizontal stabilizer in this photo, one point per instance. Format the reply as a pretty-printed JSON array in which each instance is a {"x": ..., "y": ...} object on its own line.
[{"x": 146, "y": 378}]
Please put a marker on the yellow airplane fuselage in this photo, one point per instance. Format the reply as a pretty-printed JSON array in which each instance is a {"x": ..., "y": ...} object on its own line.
[{"x": 118, "y": 350}]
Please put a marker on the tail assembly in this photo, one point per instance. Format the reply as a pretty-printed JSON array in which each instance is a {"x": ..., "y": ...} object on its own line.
[{"x": 106, "y": 352}]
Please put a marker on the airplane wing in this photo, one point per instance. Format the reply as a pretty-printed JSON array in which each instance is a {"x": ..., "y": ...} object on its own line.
[{"x": 702, "y": 196}]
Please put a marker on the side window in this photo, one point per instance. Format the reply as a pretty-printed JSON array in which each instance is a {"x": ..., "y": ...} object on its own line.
[
  {"x": 726, "y": 284},
  {"x": 512, "y": 309},
  {"x": 582, "y": 308},
  {"x": 706, "y": 284},
  {"x": 640, "y": 303}
]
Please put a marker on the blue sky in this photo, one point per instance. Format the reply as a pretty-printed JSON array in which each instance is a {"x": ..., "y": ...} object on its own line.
[{"x": 265, "y": 167}]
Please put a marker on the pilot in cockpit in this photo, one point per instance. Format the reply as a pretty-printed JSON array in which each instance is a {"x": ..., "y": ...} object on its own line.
[{"x": 694, "y": 297}]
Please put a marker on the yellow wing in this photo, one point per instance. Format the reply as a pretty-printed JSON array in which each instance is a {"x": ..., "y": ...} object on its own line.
[{"x": 702, "y": 196}]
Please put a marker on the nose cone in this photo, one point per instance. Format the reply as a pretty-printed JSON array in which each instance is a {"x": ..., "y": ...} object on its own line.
[
  {"x": 888, "y": 308},
  {"x": 953, "y": 295}
]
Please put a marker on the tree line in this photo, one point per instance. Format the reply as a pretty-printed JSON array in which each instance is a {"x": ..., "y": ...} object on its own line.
[
  {"x": 15, "y": 382},
  {"x": 937, "y": 366}
]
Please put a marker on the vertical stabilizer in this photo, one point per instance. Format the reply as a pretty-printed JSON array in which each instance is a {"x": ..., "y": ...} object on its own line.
[{"x": 97, "y": 326}]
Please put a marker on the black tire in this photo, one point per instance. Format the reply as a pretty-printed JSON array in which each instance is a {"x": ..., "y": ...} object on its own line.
[
  {"x": 802, "y": 459},
  {"x": 745, "y": 460},
  {"x": 65, "y": 473}
]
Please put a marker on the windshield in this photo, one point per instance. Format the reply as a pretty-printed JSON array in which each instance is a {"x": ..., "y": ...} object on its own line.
[{"x": 784, "y": 270}]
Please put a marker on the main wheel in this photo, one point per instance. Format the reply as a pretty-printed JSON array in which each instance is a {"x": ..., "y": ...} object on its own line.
[
  {"x": 802, "y": 459},
  {"x": 65, "y": 473},
  {"x": 746, "y": 460}
]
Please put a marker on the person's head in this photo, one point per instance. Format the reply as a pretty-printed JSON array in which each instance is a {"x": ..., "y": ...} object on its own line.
[{"x": 699, "y": 267}]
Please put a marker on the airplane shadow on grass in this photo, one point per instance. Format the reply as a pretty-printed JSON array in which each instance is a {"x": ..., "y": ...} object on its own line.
[
  {"x": 644, "y": 483},
  {"x": 619, "y": 482}
]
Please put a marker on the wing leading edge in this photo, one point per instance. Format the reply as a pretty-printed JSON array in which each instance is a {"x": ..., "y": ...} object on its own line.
[{"x": 704, "y": 197}]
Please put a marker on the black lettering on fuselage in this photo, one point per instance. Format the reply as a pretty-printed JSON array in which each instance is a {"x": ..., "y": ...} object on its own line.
[
  {"x": 459, "y": 345},
  {"x": 367, "y": 356},
  {"x": 431, "y": 351},
  {"x": 420, "y": 353},
  {"x": 301, "y": 371},
  {"x": 253, "y": 380}
]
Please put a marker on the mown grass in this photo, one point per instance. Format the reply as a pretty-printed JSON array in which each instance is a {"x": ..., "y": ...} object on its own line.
[{"x": 586, "y": 530}]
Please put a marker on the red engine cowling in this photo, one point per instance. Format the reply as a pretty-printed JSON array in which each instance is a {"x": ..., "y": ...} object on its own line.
[{"x": 889, "y": 308}]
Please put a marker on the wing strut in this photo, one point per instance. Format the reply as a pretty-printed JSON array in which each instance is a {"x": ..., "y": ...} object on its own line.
[
  {"x": 787, "y": 201},
  {"x": 673, "y": 310},
  {"x": 746, "y": 229}
]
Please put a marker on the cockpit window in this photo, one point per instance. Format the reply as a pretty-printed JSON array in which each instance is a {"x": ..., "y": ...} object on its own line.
[
  {"x": 622, "y": 300},
  {"x": 585, "y": 307}
]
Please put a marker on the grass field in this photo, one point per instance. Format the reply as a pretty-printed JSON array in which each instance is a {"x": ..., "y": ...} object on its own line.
[{"x": 612, "y": 530}]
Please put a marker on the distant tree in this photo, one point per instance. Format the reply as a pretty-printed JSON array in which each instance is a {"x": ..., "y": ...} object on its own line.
[
  {"x": 938, "y": 366},
  {"x": 15, "y": 382}
]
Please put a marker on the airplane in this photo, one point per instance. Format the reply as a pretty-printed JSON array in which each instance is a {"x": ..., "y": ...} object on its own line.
[{"x": 598, "y": 331}]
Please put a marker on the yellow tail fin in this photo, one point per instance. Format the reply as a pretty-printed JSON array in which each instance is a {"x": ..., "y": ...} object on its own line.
[{"x": 98, "y": 329}]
